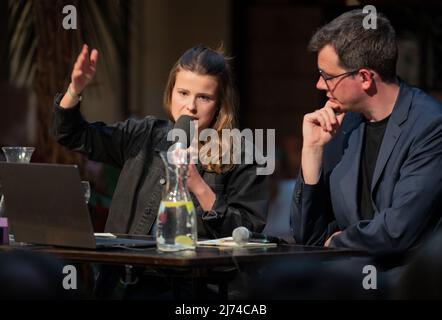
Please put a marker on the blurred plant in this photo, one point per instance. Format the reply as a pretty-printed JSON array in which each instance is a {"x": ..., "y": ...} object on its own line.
[
  {"x": 42, "y": 52},
  {"x": 41, "y": 56}
]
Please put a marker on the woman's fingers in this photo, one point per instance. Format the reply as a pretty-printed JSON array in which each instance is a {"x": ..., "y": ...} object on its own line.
[
  {"x": 84, "y": 69},
  {"x": 89, "y": 62},
  {"x": 79, "y": 64},
  {"x": 191, "y": 170},
  {"x": 87, "y": 56},
  {"x": 94, "y": 59},
  {"x": 85, "y": 66},
  {"x": 77, "y": 73},
  {"x": 83, "y": 53},
  {"x": 83, "y": 61}
]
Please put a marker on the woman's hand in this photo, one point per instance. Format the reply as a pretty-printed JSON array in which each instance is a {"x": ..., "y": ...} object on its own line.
[
  {"x": 206, "y": 197},
  {"x": 82, "y": 74},
  {"x": 84, "y": 69}
]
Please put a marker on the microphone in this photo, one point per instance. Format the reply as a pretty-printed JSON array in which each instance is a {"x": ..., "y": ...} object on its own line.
[
  {"x": 242, "y": 235},
  {"x": 186, "y": 124}
]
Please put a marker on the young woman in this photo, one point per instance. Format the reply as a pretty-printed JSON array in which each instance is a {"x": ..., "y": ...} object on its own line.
[{"x": 199, "y": 85}]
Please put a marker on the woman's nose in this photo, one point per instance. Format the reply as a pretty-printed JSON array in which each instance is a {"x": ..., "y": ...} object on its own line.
[{"x": 191, "y": 104}]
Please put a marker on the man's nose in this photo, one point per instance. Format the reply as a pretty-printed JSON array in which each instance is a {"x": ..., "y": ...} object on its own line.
[{"x": 321, "y": 85}]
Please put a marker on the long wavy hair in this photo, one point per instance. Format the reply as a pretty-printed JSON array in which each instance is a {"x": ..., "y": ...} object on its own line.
[{"x": 205, "y": 61}]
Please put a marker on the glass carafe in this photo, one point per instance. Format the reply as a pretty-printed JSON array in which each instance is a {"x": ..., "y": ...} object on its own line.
[
  {"x": 176, "y": 221},
  {"x": 17, "y": 155}
]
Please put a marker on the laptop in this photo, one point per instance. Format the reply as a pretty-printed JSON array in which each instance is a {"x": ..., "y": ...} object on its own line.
[{"x": 45, "y": 205}]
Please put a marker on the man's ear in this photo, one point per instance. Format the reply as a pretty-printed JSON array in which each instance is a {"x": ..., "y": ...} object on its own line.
[{"x": 367, "y": 77}]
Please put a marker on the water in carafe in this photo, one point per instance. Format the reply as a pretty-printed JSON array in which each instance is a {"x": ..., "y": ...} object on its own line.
[{"x": 176, "y": 221}]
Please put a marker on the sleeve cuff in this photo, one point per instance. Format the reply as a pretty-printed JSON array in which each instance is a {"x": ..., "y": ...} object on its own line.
[
  {"x": 215, "y": 213},
  {"x": 65, "y": 116},
  {"x": 57, "y": 100},
  {"x": 209, "y": 215},
  {"x": 312, "y": 186}
]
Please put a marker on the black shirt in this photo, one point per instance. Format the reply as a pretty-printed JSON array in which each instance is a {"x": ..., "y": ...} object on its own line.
[{"x": 374, "y": 132}]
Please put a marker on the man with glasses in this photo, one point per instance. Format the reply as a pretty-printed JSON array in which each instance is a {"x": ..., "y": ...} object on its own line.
[{"x": 371, "y": 168}]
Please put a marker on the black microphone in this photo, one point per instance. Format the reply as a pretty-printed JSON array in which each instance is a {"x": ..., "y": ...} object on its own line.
[
  {"x": 242, "y": 235},
  {"x": 186, "y": 124}
]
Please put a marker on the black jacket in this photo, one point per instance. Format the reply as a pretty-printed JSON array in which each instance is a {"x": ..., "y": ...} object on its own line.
[
  {"x": 406, "y": 190},
  {"x": 133, "y": 146}
]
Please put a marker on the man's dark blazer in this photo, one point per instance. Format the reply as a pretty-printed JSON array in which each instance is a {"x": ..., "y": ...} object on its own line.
[{"x": 406, "y": 188}]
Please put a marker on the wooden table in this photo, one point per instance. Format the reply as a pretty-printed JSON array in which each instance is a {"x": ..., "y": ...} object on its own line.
[{"x": 203, "y": 265}]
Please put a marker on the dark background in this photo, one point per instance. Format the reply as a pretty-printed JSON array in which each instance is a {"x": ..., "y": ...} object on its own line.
[{"x": 139, "y": 40}]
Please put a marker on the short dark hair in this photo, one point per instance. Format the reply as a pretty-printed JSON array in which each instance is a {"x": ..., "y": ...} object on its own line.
[{"x": 358, "y": 47}]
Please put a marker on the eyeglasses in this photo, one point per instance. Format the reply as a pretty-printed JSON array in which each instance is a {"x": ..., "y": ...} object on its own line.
[{"x": 327, "y": 77}]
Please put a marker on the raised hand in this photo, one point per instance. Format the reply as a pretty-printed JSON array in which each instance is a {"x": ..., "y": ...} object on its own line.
[
  {"x": 84, "y": 69},
  {"x": 82, "y": 74}
]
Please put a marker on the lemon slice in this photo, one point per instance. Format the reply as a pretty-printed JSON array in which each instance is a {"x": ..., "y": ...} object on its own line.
[
  {"x": 184, "y": 240},
  {"x": 171, "y": 204},
  {"x": 189, "y": 206}
]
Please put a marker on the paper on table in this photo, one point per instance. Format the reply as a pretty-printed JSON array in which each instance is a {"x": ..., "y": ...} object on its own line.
[
  {"x": 105, "y": 235},
  {"x": 228, "y": 242}
]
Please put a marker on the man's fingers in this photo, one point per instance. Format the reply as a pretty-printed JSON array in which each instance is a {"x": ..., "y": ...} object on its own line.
[
  {"x": 328, "y": 126},
  {"x": 327, "y": 243},
  {"x": 331, "y": 115},
  {"x": 316, "y": 119},
  {"x": 320, "y": 118},
  {"x": 328, "y": 119}
]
